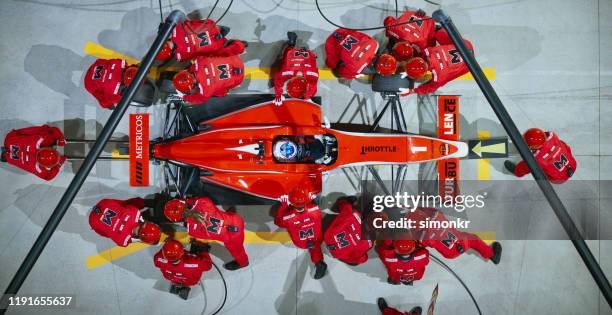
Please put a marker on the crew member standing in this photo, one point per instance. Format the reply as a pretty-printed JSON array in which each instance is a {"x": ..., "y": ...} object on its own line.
[
  {"x": 302, "y": 219},
  {"x": 343, "y": 237},
  {"x": 405, "y": 262},
  {"x": 553, "y": 155},
  {"x": 193, "y": 38},
  {"x": 107, "y": 79},
  {"x": 414, "y": 27},
  {"x": 205, "y": 221},
  {"x": 386, "y": 310},
  {"x": 33, "y": 150}
]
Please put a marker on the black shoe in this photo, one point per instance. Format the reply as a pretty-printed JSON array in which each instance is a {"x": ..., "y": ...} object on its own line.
[
  {"x": 245, "y": 43},
  {"x": 174, "y": 288},
  {"x": 320, "y": 269},
  {"x": 184, "y": 292},
  {"x": 231, "y": 209},
  {"x": 392, "y": 282},
  {"x": 351, "y": 264},
  {"x": 509, "y": 166},
  {"x": 233, "y": 265},
  {"x": 352, "y": 199},
  {"x": 407, "y": 283},
  {"x": 497, "y": 251},
  {"x": 291, "y": 39},
  {"x": 416, "y": 310},
  {"x": 382, "y": 304},
  {"x": 224, "y": 30}
]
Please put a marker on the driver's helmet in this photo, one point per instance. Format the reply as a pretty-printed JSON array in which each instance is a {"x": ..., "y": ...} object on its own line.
[{"x": 285, "y": 150}]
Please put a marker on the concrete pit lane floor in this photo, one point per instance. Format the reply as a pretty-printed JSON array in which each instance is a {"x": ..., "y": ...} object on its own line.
[{"x": 549, "y": 61}]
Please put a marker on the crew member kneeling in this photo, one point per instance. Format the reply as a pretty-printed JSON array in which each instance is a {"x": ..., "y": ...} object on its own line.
[
  {"x": 299, "y": 69},
  {"x": 205, "y": 221},
  {"x": 32, "y": 149},
  {"x": 349, "y": 52},
  {"x": 122, "y": 222},
  {"x": 209, "y": 76},
  {"x": 302, "y": 219},
  {"x": 553, "y": 155},
  {"x": 107, "y": 79},
  {"x": 182, "y": 269}
]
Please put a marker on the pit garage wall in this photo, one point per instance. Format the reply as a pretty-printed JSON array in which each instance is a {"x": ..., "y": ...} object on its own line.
[{"x": 550, "y": 73}]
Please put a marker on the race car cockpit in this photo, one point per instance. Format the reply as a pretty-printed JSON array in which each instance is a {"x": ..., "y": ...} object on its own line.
[{"x": 315, "y": 149}]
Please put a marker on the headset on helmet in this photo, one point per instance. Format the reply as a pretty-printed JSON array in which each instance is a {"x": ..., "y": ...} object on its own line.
[
  {"x": 184, "y": 81},
  {"x": 404, "y": 247},
  {"x": 535, "y": 138},
  {"x": 296, "y": 87},
  {"x": 174, "y": 209},
  {"x": 47, "y": 157},
  {"x": 149, "y": 233},
  {"x": 386, "y": 65},
  {"x": 173, "y": 250},
  {"x": 416, "y": 68}
]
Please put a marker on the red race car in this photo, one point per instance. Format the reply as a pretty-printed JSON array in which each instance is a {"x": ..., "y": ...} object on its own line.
[{"x": 264, "y": 150}]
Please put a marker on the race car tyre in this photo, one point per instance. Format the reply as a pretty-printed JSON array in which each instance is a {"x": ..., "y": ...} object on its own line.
[
  {"x": 389, "y": 84},
  {"x": 165, "y": 82},
  {"x": 145, "y": 95}
]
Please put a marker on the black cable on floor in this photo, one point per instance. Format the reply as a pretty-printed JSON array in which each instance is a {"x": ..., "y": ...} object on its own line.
[
  {"x": 224, "y": 290},
  {"x": 161, "y": 15},
  {"x": 211, "y": 10},
  {"x": 364, "y": 28},
  {"x": 445, "y": 266}
]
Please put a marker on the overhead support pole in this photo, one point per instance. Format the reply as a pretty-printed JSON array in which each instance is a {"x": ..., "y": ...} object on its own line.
[
  {"x": 541, "y": 179},
  {"x": 163, "y": 34}
]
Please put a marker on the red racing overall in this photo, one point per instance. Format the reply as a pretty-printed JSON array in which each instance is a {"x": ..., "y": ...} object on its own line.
[
  {"x": 298, "y": 60},
  {"x": 556, "y": 159},
  {"x": 21, "y": 147},
  {"x": 349, "y": 52},
  {"x": 420, "y": 33},
  {"x": 116, "y": 219},
  {"x": 403, "y": 269},
  {"x": 188, "y": 271},
  {"x": 225, "y": 227},
  {"x": 104, "y": 80},
  {"x": 194, "y": 38},
  {"x": 344, "y": 238},
  {"x": 304, "y": 227}
]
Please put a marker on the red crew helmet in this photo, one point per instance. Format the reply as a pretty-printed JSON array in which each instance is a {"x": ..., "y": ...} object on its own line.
[
  {"x": 174, "y": 209},
  {"x": 299, "y": 197},
  {"x": 184, "y": 81},
  {"x": 386, "y": 65},
  {"x": 416, "y": 68},
  {"x": 296, "y": 87},
  {"x": 535, "y": 138},
  {"x": 404, "y": 247},
  {"x": 402, "y": 51},
  {"x": 47, "y": 157},
  {"x": 165, "y": 52},
  {"x": 149, "y": 233},
  {"x": 173, "y": 250},
  {"x": 129, "y": 74}
]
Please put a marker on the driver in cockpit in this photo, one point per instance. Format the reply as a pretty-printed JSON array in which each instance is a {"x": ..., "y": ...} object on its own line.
[{"x": 301, "y": 150}]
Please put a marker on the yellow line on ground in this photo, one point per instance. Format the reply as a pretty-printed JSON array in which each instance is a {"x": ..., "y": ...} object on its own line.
[
  {"x": 250, "y": 238},
  {"x": 260, "y": 73},
  {"x": 484, "y": 165}
]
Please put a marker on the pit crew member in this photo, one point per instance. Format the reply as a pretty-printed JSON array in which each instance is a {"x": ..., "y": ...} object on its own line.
[
  {"x": 193, "y": 38},
  {"x": 299, "y": 70},
  {"x": 33, "y": 150},
  {"x": 122, "y": 222},
  {"x": 350, "y": 52},
  {"x": 420, "y": 32},
  {"x": 213, "y": 75},
  {"x": 443, "y": 61},
  {"x": 404, "y": 260},
  {"x": 343, "y": 237},
  {"x": 450, "y": 242},
  {"x": 302, "y": 219},
  {"x": 107, "y": 79},
  {"x": 386, "y": 310},
  {"x": 182, "y": 269},
  {"x": 554, "y": 156},
  {"x": 204, "y": 221}
]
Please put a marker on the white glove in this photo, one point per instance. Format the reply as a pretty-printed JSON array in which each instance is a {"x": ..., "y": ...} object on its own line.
[
  {"x": 284, "y": 199},
  {"x": 404, "y": 74},
  {"x": 278, "y": 101},
  {"x": 405, "y": 92}
]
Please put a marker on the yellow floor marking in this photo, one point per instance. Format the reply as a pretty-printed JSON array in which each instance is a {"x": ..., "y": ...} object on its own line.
[
  {"x": 484, "y": 165},
  {"x": 261, "y": 73},
  {"x": 259, "y": 238}
]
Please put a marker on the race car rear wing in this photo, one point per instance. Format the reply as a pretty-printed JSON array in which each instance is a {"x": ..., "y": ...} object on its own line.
[
  {"x": 163, "y": 34},
  {"x": 510, "y": 127}
]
